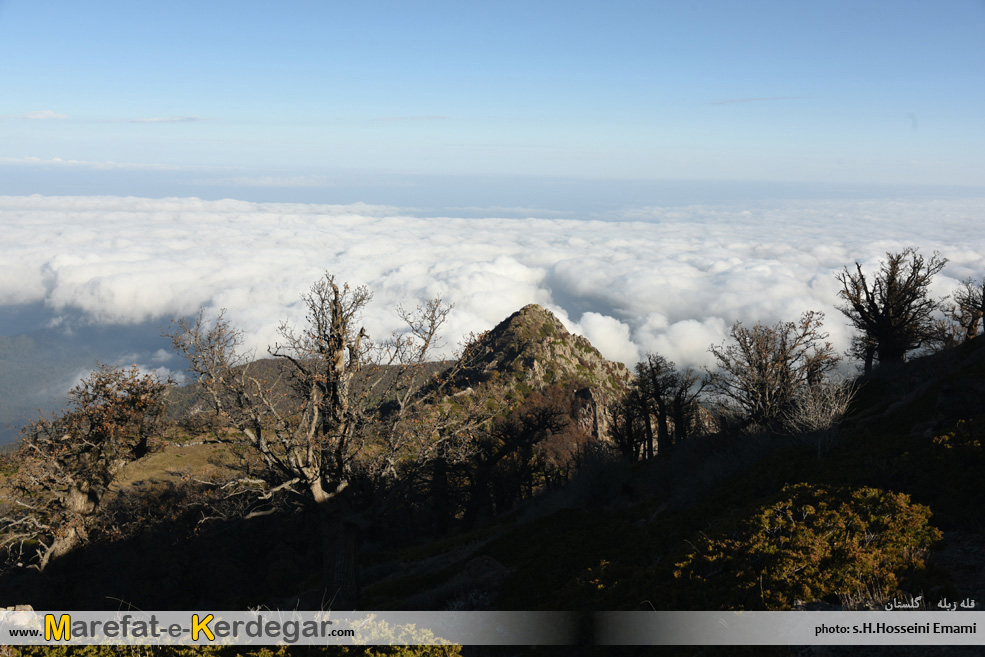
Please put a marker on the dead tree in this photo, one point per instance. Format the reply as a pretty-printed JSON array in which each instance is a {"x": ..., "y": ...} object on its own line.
[
  {"x": 631, "y": 425},
  {"x": 670, "y": 396},
  {"x": 817, "y": 411},
  {"x": 967, "y": 309},
  {"x": 893, "y": 312},
  {"x": 66, "y": 465},
  {"x": 352, "y": 413}
]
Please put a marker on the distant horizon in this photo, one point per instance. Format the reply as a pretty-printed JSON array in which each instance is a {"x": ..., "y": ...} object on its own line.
[{"x": 468, "y": 195}]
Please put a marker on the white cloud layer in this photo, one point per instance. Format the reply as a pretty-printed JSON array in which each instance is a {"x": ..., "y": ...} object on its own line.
[
  {"x": 84, "y": 164},
  {"x": 670, "y": 280}
]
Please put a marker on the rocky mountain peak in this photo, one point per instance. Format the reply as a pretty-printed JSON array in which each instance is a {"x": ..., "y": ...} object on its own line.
[
  {"x": 531, "y": 350},
  {"x": 533, "y": 347}
]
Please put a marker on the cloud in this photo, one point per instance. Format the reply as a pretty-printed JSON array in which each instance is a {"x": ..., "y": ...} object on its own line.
[
  {"x": 731, "y": 101},
  {"x": 670, "y": 280},
  {"x": 59, "y": 162},
  {"x": 610, "y": 336},
  {"x": 507, "y": 210},
  {"x": 38, "y": 115}
]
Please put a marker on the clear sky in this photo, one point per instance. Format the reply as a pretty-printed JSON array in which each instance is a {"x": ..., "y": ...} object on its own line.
[{"x": 289, "y": 94}]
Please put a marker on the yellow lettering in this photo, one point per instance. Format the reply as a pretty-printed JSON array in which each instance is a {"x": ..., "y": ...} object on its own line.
[
  {"x": 202, "y": 626},
  {"x": 60, "y": 630}
]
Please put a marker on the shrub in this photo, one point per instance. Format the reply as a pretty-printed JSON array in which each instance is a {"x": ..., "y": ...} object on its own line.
[
  {"x": 813, "y": 542},
  {"x": 8, "y": 465},
  {"x": 965, "y": 439}
]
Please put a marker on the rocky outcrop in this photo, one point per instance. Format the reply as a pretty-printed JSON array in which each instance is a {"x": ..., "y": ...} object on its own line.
[{"x": 530, "y": 351}]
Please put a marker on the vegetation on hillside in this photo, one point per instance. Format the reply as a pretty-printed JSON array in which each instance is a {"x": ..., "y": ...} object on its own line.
[
  {"x": 532, "y": 473},
  {"x": 814, "y": 542}
]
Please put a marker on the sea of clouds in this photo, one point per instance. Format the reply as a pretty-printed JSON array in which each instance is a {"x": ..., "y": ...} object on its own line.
[{"x": 669, "y": 280}]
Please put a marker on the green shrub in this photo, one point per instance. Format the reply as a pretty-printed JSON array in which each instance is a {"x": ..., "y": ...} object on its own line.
[
  {"x": 813, "y": 542},
  {"x": 965, "y": 439}
]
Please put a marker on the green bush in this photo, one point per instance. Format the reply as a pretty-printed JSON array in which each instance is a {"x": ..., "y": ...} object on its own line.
[
  {"x": 965, "y": 439},
  {"x": 813, "y": 542}
]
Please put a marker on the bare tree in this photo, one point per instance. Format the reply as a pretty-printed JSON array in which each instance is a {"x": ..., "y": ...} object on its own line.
[
  {"x": 893, "y": 311},
  {"x": 669, "y": 396},
  {"x": 352, "y": 413},
  {"x": 632, "y": 427},
  {"x": 817, "y": 410},
  {"x": 655, "y": 377},
  {"x": 67, "y": 464},
  {"x": 684, "y": 406},
  {"x": 762, "y": 369},
  {"x": 967, "y": 309}
]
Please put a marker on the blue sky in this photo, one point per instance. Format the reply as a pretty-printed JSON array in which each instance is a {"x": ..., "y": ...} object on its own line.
[{"x": 293, "y": 95}]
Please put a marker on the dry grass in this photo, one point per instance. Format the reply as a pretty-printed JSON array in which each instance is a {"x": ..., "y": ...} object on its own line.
[{"x": 176, "y": 462}]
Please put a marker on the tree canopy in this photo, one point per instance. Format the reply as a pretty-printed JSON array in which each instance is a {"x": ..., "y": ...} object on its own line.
[
  {"x": 892, "y": 309},
  {"x": 762, "y": 369},
  {"x": 67, "y": 464},
  {"x": 348, "y": 413}
]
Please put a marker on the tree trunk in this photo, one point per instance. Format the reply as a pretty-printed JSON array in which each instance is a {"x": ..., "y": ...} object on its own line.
[
  {"x": 683, "y": 419},
  {"x": 648, "y": 445},
  {"x": 663, "y": 432},
  {"x": 61, "y": 546},
  {"x": 891, "y": 349},
  {"x": 81, "y": 501},
  {"x": 479, "y": 497}
]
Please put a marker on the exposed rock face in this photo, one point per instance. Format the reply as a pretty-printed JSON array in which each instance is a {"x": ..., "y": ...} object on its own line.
[{"x": 531, "y": 350}]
